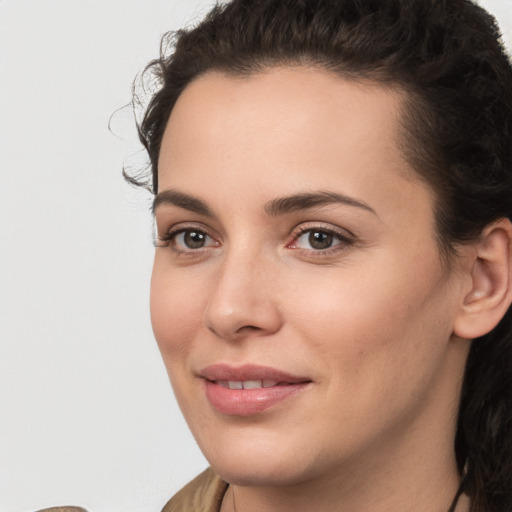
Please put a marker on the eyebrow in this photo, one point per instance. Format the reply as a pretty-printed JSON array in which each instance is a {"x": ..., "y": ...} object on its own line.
[
  {"x": 181, "y": 200},
  {"x": 275, "y": 207},
  {"x": 310, "y": 200}
]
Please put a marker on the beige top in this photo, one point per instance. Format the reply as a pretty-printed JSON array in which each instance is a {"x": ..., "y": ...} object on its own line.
[{"x": 203, "y": 494}]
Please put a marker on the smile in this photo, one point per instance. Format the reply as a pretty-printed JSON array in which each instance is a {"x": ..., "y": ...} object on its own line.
[
  {"x": 250, "y": 389},
  {"x": 248, "y": 384}
]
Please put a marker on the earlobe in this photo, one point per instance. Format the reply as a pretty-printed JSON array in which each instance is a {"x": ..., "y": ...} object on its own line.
[{"x": 490, "y": 295}]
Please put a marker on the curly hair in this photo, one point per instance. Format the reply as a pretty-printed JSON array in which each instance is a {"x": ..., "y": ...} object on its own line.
[{"x": 448, "y": 58}]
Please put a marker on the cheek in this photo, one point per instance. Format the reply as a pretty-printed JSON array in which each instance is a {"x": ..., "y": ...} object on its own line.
[
  {"x": 175, "y": 312},
  {"x": 363, "y": 317},
  {"x": 346, "y": 302},
  {"x": 377, "y": 340},
  {"x": 175, "y": 317}
]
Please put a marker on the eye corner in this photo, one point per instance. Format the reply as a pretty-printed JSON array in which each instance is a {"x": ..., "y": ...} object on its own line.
[{"x": 160, "y": 242}]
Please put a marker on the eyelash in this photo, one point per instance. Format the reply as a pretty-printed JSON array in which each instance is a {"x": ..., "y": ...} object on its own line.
[
  {"x": 169, "y": 239},
  {"x": 343, "y": 241}
]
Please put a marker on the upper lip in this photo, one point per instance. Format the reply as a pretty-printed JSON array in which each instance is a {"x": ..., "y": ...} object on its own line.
[{"x": 226, "y": 372}]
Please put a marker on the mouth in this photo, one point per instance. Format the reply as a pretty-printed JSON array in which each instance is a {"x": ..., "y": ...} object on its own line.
[
  {"x": 249, "y": 384},
  {"x": 248, "y": 390}
]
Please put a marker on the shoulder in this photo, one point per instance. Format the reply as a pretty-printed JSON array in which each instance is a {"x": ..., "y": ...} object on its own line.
[{"x": 203, "y": 494}]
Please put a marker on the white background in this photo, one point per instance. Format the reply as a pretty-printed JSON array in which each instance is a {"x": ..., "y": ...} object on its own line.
[{"x": 87, "y": 416}]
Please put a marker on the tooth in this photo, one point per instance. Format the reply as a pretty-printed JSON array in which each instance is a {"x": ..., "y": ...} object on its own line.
[
  {"x": 235, "y": 384},
  {"x": 223, "y": 383},
  {"x": 252, "y": 384},
  {"x": 269, "y": 383}
]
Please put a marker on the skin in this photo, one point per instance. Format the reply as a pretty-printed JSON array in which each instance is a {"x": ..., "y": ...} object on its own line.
[{"x": 370, "y": 320}]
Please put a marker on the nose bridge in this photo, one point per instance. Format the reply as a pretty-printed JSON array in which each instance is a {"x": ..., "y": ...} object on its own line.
[{"x": 242, "y": 299}]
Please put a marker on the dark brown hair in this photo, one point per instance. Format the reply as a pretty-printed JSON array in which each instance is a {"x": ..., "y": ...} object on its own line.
[{"x": 457, "y": 133}]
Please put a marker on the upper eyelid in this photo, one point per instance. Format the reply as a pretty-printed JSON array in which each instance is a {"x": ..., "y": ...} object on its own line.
[
  {"x": 304, "y": 227},
  {"x": 343, "y": 239},
  {"x": 184, "y": 226}
]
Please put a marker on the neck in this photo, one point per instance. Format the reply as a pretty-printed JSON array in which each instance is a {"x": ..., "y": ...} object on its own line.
[{"x": 460, "y": 503}]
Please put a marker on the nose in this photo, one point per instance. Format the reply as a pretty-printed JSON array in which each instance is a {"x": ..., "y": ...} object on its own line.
[{"x": 243, "y": 298}]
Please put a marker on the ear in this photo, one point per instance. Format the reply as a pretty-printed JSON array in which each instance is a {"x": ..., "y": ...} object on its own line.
[{"x": 490, "y": 295}]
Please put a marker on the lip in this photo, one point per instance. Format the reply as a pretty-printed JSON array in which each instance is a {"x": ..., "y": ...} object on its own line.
[{"x": 248, "y": 402}]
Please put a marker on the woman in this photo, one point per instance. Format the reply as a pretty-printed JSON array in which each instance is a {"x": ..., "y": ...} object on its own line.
[{"x": 332, "y": 281}]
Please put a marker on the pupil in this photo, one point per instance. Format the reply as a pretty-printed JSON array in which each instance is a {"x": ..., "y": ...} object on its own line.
[
  {"x": 194, "y": 240},
  {"x": 320, "y": 240}
]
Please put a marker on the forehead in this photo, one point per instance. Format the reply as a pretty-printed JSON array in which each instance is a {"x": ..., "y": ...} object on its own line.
[
  {"x": 278, "y": 93},
  {"x": 286, "y": 128},
  {"x": 301, "y": 103}
]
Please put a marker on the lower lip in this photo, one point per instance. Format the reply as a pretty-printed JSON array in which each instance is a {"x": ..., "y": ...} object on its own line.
[{"x": 247, "y": 402}]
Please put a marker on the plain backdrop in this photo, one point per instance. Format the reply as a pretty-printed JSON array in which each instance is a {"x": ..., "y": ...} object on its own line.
[{"x": 87, "y": 416}]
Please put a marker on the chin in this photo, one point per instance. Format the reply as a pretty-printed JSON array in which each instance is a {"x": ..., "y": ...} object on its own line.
[{"x": 254, "y": 460}]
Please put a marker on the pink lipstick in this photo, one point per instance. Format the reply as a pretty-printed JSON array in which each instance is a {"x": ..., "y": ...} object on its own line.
[{"x": 249, "y": 389}]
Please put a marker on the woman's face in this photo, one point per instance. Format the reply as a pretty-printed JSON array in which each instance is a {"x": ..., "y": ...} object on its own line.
[{"x": 298, "y": 261}]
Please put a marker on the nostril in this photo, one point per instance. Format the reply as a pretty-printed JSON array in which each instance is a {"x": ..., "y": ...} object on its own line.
[{"x": 248, "y": 329}]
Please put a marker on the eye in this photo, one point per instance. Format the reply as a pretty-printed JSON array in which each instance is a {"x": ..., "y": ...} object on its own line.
[
  {"x": 192, "y": 239},
  {"x": 188, "y": 239},
  {"x": 319, "y": 239}
]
